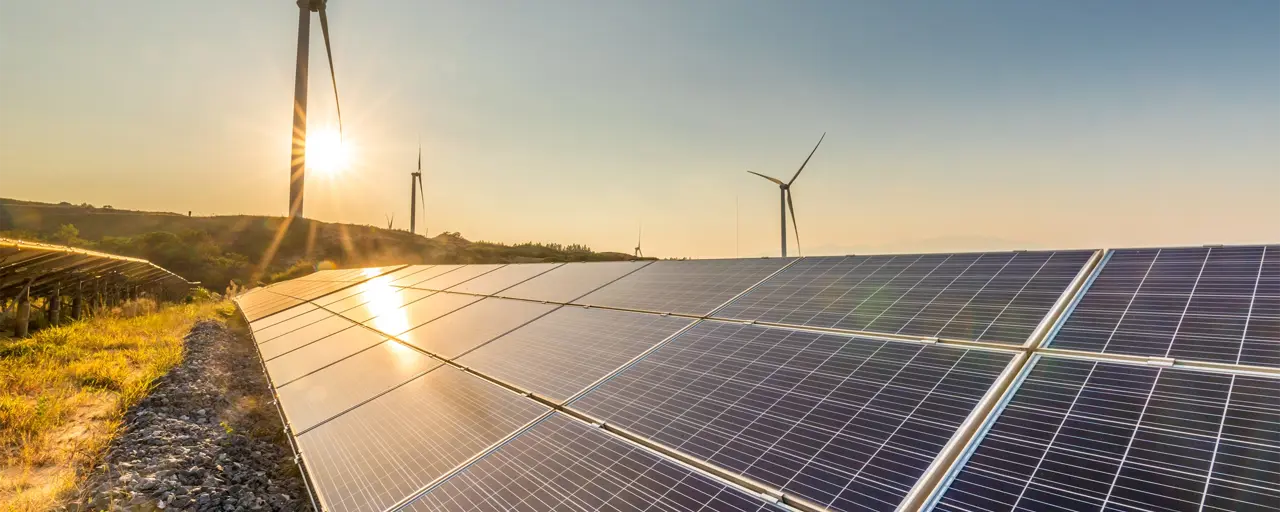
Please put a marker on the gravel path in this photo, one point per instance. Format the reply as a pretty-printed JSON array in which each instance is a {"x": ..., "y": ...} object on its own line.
[{"x": 206, "y": 439}]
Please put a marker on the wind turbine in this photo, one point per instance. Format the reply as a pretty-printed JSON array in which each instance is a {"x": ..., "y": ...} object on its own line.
[
  {"x": 415, "y": 186},
  {"x": 639, "y": 253},
  {"x": 787, "y": 201},
  {"x": 298, "y": 164},
  {"x": 391, "y": 220}
]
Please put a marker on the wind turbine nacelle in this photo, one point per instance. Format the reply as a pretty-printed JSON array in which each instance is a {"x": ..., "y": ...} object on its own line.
[{"x": 312, "y": 5}]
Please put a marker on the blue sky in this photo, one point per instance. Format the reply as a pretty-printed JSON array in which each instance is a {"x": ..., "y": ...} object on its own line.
[{"x": 951, "y": 125}]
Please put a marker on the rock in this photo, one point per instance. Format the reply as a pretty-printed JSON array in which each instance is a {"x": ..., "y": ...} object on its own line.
[{"x": 174, "y": 454}]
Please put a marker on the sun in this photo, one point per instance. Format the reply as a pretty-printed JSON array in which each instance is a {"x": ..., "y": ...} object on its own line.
[{"x": 327, "y": 153}]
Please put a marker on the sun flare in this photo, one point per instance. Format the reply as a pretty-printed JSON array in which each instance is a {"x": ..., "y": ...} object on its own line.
[{"x": 327, "y": 153}]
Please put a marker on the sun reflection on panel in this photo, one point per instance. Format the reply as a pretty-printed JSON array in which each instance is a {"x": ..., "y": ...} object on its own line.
[
  {"x": 406, "y": 359},
  {"x": 386, "y": 303}
]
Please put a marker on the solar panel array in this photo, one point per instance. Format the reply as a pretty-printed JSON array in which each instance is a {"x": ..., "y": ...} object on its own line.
[{"x": 983, "y": 381}]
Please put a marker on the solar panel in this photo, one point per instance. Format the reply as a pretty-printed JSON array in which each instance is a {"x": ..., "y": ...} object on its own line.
[
  {"x": 271, "y": 332},
  {"x": 265, "y": 303},
  {"x": 456, "y": 333},
  {"x": 694, "y": 287},
  {"x": 562, "y": 353},
  {"x": 303, "y": 336},
  {"x": 457, "y": 276},
  {"x": 424, "y": 273},
  {"x": 390, "y": 448},
  {"x": 377, "y": 301},
  {"x": 1085, "y": 435},
  {"x": 572, "y": 280},
  {"x": 1218, "y": 304},
  {"x": 276, "y": 318},
  {"x": 562, "y": 464},
  {"x": 396, "y": 321},
  {"x": 320, "y": 353},
  {"x": 503, "y": 278},
  {"x": 849, "y": 423},
  {"x": 309, "y": 290},
  {"x": 997, "y": 297},
  {"x": 349, "y": 382}
]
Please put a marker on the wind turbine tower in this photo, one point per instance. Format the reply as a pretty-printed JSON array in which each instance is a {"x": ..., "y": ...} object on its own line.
[
  {"x": 416, "y": 192},
  {"x": 298, "y": 162},
  {"x": 784, "y": 189}
]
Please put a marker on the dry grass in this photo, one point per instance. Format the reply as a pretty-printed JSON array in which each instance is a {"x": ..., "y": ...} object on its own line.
[{"x": 64, "y": 390}]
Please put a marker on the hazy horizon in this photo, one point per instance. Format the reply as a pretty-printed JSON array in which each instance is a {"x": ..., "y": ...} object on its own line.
[{"x": 960, "y": 126}]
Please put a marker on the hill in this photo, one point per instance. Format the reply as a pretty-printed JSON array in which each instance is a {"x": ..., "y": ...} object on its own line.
[{"x": 251, "y": 250}]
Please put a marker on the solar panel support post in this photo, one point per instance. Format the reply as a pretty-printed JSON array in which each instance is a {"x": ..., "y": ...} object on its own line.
[
  {"x": 77, "y": 301},
  {"x": 55, "y": 305},
  {"x": 24, "y": 311}
]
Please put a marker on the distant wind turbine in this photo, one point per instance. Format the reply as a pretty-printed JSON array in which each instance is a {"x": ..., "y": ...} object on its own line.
[
  {"x": 787, "y": 201},
  {"x": 391, "y": 220},
  {"x": 298, "y": 164},
  {"x": 415, "y": 186},
  {"x": 639, "y": 233}
]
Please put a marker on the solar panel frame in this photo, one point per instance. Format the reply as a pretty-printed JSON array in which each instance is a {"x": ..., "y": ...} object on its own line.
[{"x": 1097, "y": 412}]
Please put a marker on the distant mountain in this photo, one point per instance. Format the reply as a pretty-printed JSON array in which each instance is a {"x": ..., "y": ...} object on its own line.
[{"x": 253, "y": 249}]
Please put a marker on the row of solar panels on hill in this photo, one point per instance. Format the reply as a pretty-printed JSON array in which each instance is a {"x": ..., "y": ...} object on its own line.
[{"x": 1142, "y": 379}]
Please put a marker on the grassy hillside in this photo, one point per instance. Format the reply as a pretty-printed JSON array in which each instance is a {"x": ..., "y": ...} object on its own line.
[{"x": 255, "y": 249}]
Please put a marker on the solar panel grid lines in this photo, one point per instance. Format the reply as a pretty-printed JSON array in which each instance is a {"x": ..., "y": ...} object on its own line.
[
  {"x": 567, "y": 351},
  {"x": 984, "y": 297},
  {"x": 561, "y": 463},
  {"x": 273, "y": 319},
  {"x": 457, "y": 276},
  {"x": 691, "y": 288},
  {"x": 573, "y": 281},
  {"x": 957, "y": 448},
  {"x": 304, "y": 336},
  {"x": 329, "y": 392},
  {"x": 319, "y": 354},
  {"x": 730, "y": 394},
  {"x": 1096, "y": 434},
  {"x": 473, "y": 325},
  {"x": 491, "y": 283},
  {"x": 1206, "y": 304},
  {"x": 389, "y": 449}
]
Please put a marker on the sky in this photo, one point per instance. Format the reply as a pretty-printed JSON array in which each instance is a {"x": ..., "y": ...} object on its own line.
[{"x": 959, "y": 125}]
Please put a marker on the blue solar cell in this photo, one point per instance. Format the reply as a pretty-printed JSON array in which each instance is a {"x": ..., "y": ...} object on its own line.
[
  {"x": 1085, "y": 435},
  {"x": 847, "y": 422},
  {"x": 998, "y": 297},
  {"x": 1209, "y": 304},
  {"x": 694, "y": 287},
  {"x": 563, "y": 464}
]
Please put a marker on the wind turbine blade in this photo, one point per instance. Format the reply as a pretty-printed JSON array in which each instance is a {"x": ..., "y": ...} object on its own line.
[
  {"x": 806, "y": 160},
  {"x": 775, "y": 180},
  {"x": 419, "y": 156},
  {"x": 792, "y": 206},
  {"x": 333, "y": 76}
]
